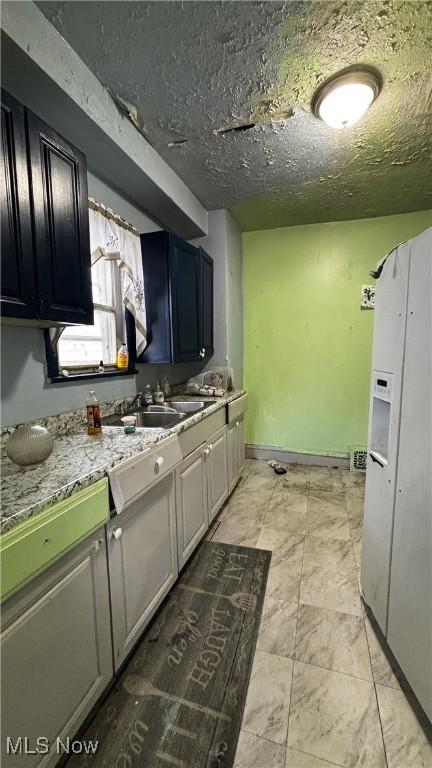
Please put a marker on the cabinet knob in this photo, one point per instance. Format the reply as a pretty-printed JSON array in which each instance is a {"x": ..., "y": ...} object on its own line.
[
  {"x": 237, "y": 423},
  {"x": 117, "y": 533},
  {"x": 158, "y": 462},
  {"x": 211, "y": 446},
  {"x": 202, "y": 353},
  {"x": 206, "y": 451}
]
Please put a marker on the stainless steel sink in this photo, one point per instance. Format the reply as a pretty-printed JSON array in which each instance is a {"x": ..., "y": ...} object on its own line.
[
  {"x": 160, "y": 416},
  {"x": 189, "y": 406},
  {"x": 150, "y": 419}
]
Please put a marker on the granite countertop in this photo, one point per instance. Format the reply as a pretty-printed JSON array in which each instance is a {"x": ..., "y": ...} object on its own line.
[{"x": 78, "y": 460}]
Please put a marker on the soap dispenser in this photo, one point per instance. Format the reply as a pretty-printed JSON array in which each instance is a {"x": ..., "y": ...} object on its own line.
[{"x": 158, "y": 395}]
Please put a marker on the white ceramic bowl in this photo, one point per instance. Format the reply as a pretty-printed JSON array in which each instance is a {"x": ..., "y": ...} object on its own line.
[{"x": 29, "y": 445}]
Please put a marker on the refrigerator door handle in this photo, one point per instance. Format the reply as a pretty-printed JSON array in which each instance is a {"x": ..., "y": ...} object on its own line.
[{"x": 376, "y": 459}]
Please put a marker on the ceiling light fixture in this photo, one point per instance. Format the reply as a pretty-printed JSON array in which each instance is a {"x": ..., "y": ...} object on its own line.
[{"x": 343, "y": 100}]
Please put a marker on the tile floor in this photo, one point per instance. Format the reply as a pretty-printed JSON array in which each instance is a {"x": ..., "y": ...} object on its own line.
[{"x": 322, "y": 692}]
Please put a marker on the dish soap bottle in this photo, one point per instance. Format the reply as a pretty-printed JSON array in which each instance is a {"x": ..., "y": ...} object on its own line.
[
  {"x": 94, "y": 426},
  {"x": 158, "y": 395},
  {"x": 123, "y": 357},
  {"x": 148, "y": 395}
]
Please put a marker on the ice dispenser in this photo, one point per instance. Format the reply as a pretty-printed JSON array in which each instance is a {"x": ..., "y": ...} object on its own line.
[{"x": 381, "y": 410}]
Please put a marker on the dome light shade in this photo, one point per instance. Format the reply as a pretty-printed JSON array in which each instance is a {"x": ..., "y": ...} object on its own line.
[{"x": 344, "y": 99}]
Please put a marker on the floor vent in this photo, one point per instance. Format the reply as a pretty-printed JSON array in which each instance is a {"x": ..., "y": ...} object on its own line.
[{"x": 358, "y": 455}]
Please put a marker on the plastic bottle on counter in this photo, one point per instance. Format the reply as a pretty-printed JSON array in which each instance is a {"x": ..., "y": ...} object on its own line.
[
  {"x": 94, "y": 426},
  {"x": 123, "y": 357}
]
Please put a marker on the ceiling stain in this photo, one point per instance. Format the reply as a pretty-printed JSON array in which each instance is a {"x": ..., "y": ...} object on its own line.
[{"x": 237, "y": 79}]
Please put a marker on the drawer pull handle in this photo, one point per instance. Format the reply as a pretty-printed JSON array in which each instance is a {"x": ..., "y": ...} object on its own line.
[
  {"x": 117, "y": 533},
  {"x": 159, "y": 462}
]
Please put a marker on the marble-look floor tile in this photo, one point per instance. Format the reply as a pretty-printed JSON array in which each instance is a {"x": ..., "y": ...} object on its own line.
[
  {"x": 357, "y": 548},
  {"x": 296, "y": 478},
  {"x": 295, "y": 498},
  {"x": 296, "y": 759},
  {"x": 355, "y": 508},
  {"x": 286, "y": 519},
  {"x": 253, "y": 752},
  {"x": 278, "y": 627},
  {"x": 246, "y": 502},
  {"x": 382, "y": 670},
  {"x": 267, "y": 703},
  {"x": 352, "y": 479},
  {"x": 332, "y": 502},
  {"x": 325, "y": 479},
  {"x": 231, "y": 533},
  {"x": 407, "y": 744},
  {"x": 328, "y": 527},
  {"x": 255, "y": 483},
  {"x": 356, "y": 529},
  {"x": 332, "y": 640},
  {"x": 335, "y": 717},
  {"x": 285, "y": 568},
  {"x": 329, "y": 578},
  {"x": 287, "y": 511}
]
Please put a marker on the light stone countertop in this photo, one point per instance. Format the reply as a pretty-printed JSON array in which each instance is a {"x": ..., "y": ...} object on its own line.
[{"x": 78, "y": 460}]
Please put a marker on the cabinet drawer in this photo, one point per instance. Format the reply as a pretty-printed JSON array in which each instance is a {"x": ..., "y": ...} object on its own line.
[
  {"x": 135, "y": 475},
  {"x": 237, "y": 407},
  {"x": 33, "y": 545},
  {"x": 191, "y": 438}
]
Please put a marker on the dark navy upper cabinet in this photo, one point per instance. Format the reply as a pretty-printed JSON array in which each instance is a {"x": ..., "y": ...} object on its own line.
[
  {"x": 18, "y": 281},
  {"x": 61, "y": 226},
  {"x": 178, "y": 282},
  {"x": 206, "y": 267},
  {"x": 45, "y": 258}
]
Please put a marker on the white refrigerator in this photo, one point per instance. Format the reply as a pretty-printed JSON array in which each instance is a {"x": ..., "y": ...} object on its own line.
[{"x": 396, "y": 573}]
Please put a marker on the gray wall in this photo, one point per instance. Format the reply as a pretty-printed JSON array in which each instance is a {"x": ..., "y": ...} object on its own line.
[
  {"x": 224, "y": 244},
  {"x": 234, "y": 321}
]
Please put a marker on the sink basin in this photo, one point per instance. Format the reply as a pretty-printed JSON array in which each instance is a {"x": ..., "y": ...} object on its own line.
[
  {"x": 149, "y": 419},
  {"x": 160, "y": 416},
  {"x": 189, "y": 406}
]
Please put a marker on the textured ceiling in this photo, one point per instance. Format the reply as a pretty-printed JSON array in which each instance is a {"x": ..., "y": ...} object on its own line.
[{"x": 190, "y": 69}]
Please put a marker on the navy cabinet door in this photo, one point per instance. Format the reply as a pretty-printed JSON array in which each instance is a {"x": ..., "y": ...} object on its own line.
[
  {"x": 18, "y": 290},
  {"x": 61, "y": 226},
  {"x": 206, "y": 295},
  {"x": 185, "y": 284}
]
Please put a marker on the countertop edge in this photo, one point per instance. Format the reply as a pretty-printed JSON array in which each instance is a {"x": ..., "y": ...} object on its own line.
[{"x": 9, "y": 522}]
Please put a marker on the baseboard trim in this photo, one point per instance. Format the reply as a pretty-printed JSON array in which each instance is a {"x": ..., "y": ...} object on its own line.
[{"x": 268, "y": 452}]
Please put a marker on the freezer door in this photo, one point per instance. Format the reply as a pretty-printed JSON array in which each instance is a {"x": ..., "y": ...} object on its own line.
[
  {"x": 410, "y": 602},
  {"x": 387, "y": 364}
]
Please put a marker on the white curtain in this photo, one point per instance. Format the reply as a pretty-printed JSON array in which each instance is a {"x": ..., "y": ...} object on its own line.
[{"x": 110, "y": 241}]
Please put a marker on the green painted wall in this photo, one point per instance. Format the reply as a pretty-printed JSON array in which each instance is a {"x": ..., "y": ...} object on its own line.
[{"x": 307, "y": 342}]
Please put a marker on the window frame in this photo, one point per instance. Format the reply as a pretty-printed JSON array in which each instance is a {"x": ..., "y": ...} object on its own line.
[{"x": 125, "y": 328}]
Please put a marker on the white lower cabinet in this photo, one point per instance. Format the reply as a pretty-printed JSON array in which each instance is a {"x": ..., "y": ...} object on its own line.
[
  {"x": 201, "y": 489},
  {"x": 142, "y": 558},
  {"x": 240, "y": 445},
  {"x": 217, "y": 472},
  {"x": 56, "y": 653},
  {"x": 191, "y": 503},
  {"x": 236, "y": 451}
]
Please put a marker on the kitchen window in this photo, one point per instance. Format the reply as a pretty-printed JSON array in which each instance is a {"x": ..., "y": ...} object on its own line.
[
  {"x": 117, "y": 288},
  {"x": 86, "y": 345}
]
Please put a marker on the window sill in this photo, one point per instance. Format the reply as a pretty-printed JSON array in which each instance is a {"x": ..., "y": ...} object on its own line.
[{"x": 89, "y": 376}]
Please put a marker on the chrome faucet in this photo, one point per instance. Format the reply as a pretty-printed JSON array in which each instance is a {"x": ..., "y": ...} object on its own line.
[{"x": 138, "y": 400}]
